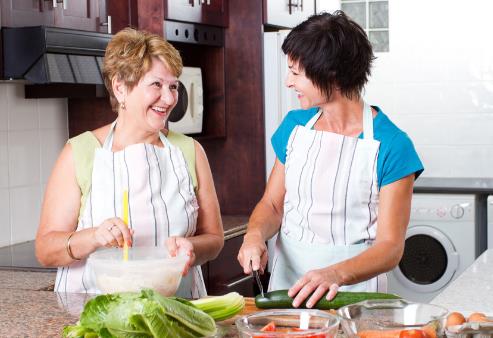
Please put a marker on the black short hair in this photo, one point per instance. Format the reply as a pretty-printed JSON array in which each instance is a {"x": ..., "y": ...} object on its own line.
[{"x": 333, "y": 51}]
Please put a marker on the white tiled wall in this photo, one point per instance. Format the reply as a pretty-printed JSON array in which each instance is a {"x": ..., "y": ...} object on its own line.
[
  {"x": 32, "y": 133},
  {"x": 436, "y": 83}
]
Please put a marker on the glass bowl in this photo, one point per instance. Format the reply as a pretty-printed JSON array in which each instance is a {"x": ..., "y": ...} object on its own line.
[
  {"x": 288, "y": 323},
  {"x": 391, "y": 314},
  {"x": 147, "y": 267}
]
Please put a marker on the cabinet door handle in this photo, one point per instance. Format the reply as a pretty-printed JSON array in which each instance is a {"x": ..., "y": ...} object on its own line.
[
  {"x": 107, "y": 23},
  {"x": 63, "y": 2},
  {"x": 239, "y": 281}
]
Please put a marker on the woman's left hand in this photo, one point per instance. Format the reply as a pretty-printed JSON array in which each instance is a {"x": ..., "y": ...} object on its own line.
[
  {"x": 181, "y": 244},
  {"x": 315, "y": 283}
]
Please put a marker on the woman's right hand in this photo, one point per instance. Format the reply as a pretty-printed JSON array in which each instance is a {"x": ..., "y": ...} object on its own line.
[
  {"x": 255, "y": 251},
  {"x": 113, "y": 232}
]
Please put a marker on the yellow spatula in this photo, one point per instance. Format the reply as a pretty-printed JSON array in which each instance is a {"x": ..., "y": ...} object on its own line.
[{"x": 125, "y": 220}]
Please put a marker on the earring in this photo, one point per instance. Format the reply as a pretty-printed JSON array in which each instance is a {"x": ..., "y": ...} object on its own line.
[{"x": 122, "y": 106}]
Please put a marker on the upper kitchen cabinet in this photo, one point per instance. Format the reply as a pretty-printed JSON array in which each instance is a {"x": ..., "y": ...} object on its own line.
[
  {"x": 287, "y": 13},
  {"x": 80, "y": 14},
  {"x": 207, "y": 12},
  {"x": 89, "y": 15},
  {"x": 17, "y": 13}
]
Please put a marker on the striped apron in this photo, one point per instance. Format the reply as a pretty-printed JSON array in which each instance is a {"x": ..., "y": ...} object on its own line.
[
  {"x": 162, "y": 203},
  {"x": 331, "y": 203}
]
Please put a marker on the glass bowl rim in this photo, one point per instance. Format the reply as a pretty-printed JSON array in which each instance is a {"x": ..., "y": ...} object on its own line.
[
  {"x": 382, "y": 303},
  {"x": 334, "y": 320}
]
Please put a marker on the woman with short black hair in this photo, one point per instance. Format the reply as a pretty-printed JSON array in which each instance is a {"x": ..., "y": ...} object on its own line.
[{"x": 339, "y": 194}]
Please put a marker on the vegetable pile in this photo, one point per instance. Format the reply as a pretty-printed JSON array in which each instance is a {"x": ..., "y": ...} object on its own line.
[{"x": 148, "y": 314}]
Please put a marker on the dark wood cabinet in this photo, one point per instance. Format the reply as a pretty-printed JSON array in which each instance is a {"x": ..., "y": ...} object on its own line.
[
  {"x": 17, "y": 13},
  {"x": 87, "y": 15},
  {"x": 78, "y": 14},
  {"x": 207, "y": 12},
  {"x": 225, "y": 274}
]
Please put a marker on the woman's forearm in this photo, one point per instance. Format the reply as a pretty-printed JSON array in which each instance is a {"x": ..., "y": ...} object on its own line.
[
  {"x": 52, "y": 250},
  {"x": 264, "y": 222},
  {"x": 206, "y": 247},
  {"x": 377, "y": 259}
]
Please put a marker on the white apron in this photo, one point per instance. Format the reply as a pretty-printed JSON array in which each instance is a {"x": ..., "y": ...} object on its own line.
[
  {"x": 161, "y": 201},
  {"x": 331, "y": 203}
]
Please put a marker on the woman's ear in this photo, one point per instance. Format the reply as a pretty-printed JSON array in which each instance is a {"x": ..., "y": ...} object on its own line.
[{"x": 119, "y": 89}]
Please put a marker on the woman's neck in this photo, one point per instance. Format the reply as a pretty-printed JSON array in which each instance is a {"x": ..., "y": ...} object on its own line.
[
  {"x": 342, "y": 116},
  {"x": 126, "y": 134}
]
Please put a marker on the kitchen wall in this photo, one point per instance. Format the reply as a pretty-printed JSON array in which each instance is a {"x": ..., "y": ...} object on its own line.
[
  {"x": 436, "y": 83},
  {"x": 32, "y": 133}
]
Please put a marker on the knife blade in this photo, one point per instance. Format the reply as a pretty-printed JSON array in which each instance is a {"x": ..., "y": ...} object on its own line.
[{"x": 257, "y": 279}]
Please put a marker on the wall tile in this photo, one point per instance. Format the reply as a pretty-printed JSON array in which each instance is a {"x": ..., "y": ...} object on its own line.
[
  {"x": 436, "y": 129},
  {"x": 456, "y": 161},
  {"x": 24, "y": 224},
  {"x": 4, "y": 160},
  {"x": 24, "y": 158},
  {"x": 52, "y": 142},
  {"x": 3, "y": 110},
  {"x": 23, "y": 113},
  {"x": 436, "y": 83},
  {"x": 53, "y": 113},
  {"x": 4, "y": 218}
]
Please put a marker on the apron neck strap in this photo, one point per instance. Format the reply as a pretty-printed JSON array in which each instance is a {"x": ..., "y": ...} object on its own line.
[
  {"x": 108, "y": 142},
  {"x": 367, "y": 121}
]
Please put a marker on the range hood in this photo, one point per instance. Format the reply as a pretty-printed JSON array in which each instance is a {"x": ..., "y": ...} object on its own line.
[{"x": 47, "y": 55}]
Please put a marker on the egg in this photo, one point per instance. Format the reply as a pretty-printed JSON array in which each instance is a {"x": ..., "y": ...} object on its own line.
[
  {"x": 477, "y": 317},
  {"x": 455, "y": 318}
]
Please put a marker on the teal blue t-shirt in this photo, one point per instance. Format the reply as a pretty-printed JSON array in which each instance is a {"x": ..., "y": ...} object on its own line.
[{"x": 397, "y": 157}]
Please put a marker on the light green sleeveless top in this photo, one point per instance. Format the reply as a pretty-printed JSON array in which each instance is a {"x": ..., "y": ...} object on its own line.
[{"x": 84, "y": 145}]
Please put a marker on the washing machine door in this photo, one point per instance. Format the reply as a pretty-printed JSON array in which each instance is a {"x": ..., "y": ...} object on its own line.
[{"x": 429, "y": 261}]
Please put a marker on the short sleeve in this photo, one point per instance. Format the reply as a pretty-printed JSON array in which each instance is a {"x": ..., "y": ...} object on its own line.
[
  {"x": 400, "y": 159},
  {"x": 281, "y": 136}
]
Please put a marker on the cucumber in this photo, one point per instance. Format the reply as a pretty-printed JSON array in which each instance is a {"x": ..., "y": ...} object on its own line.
[{"x": 279, "y": 299}]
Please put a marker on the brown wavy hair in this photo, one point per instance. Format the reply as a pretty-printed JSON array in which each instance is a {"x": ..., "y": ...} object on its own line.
[{"x": 129, "y": 57}]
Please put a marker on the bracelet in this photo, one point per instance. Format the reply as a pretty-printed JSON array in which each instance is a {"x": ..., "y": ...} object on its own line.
[{"x": 69, "y": 250}]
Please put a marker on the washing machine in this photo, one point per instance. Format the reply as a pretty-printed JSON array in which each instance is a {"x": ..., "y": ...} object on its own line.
[{"x": 440, "y": 244}]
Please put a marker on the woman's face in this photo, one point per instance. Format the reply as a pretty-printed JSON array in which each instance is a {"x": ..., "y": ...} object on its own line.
[
  {"x": 308, "y": 94},
  {"x": 150, "y": 102}
]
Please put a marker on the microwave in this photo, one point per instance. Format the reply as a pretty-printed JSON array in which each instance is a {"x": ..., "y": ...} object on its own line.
[{"x": 186, "y": 117}]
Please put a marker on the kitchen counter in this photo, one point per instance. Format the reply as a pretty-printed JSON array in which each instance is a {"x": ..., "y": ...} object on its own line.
[
  {"x": 459, "y": 185},
  {"x": 27, "y": 280},
  {"x": 472, "y": 291},
  {"x": 28, "y": 313}
]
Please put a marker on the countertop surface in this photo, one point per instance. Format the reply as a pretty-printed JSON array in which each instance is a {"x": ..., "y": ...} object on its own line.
[
  {"x": 472, "y": 291},
  {"x": 28, "y": 313},
  {"x": 454, "y": 185}
]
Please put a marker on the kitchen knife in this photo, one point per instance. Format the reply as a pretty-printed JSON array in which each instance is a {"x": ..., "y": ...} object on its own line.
[{"x": 257, "y": 279}]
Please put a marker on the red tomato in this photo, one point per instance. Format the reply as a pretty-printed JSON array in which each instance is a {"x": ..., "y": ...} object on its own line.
[
  {"x": 412, "y": 334},
  {"x": 269, "y": 327}
]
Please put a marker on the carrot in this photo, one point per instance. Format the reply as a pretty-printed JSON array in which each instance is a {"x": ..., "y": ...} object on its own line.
[{"x": 379, "y": 334}]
